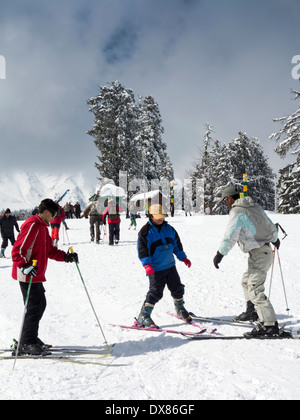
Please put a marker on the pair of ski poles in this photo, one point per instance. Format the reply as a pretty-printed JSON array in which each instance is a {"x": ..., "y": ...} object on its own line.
[
  {"x": 276, "y": 251},
  {"x": 34, "y": 263}
]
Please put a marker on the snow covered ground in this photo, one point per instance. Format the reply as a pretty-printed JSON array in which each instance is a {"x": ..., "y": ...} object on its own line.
[{"x": 145, "y": 365}]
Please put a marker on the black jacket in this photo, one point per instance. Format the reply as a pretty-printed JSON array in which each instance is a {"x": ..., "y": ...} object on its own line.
[{"x": 7, "y": 226}]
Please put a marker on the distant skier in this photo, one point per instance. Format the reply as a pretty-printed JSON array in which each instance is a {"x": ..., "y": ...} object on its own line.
[
  {"x": 34, "y": 243},
  {"x": 157, "y": 243},
  {"x": 250, "y": 227},
  {"x": 7, "y": 224},
  {"x": 93, "y": 211},
  {"x": 133, "y": 216},
  {"x": 55, "y": 225},
  {"x": 114, "y": 220}
]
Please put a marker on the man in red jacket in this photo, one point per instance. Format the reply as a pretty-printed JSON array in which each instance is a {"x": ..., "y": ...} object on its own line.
[{"x": 34, "y": 243}]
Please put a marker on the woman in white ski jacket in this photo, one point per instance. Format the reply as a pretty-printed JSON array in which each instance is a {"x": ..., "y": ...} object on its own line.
[{"x": 251, "y": 228}]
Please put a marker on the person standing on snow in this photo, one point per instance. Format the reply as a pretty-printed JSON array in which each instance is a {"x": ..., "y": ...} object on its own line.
[
  {"x": 55, "y": 225},
  {"x": 95, "y": 215},
  {"x": 112, "y": 211},
  {"x": 132, "y": 216},
  {"x": 7, "y": 224},
  {"x": 34, "y": 243},
  {"x": 157, "y": 242},
  {"x": 250, "y": 227}
]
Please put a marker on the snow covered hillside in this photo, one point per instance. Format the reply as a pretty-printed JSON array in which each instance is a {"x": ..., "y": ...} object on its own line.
[
  {"x": 22, "y": 190},
  {"x": 146, "y": 365}
]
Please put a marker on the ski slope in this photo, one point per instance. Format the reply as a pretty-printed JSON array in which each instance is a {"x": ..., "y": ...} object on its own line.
[{"x": 145, "y": 365}]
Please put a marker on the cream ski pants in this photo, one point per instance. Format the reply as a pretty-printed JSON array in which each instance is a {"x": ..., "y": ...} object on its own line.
[{"x": 259, "y": 263}]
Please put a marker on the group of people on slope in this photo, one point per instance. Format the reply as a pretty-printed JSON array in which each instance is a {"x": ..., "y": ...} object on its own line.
[
  {"x": 98, "y": 219},
  {"x": 157, "y": 244}
]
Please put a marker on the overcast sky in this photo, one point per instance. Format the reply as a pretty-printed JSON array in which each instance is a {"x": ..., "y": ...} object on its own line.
[{"x": 226, "y": 62}]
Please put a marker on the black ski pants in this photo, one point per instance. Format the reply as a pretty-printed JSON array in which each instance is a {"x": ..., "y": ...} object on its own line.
[
  {"x": 114, "y": 232},
  {"x": 158, "y": 282},
  {"x": 35, "y": 310},
  {"x": 5, "y": 239}
]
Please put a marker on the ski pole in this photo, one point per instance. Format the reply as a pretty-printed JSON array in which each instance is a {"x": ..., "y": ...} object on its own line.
[
  {"x": 283, "y": 285},
  {"x": 34, "y": 263},
  {"x": 65, "y": 230},
  {"x": 80, "y": 275},
  {"x": 271, "y": 280}
]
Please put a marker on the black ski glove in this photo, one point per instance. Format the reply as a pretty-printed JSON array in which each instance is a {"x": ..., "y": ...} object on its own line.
[
  {"x": 29, "y": 270},
  {"x": 276, "y": 244},
  {"x": 218, "y": 258},
  {"x": 71, "y": 257}
]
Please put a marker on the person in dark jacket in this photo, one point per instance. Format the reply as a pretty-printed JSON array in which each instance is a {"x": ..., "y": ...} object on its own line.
[
  {"x": 93, "y": 210},
  {"x": 157, "y": 244},
  {"x": 7, "y": 224}
]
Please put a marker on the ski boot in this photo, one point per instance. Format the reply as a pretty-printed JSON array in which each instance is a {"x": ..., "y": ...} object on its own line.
[
  {"x": 92, "y": 238},
  {"x": 263, "y": 331},
  {"x": 250, "y": 315},
  {"x": 43, "y": 345},
  {"x": 144, "y": 319},
  {"x": 2, "y": 253},
  {"x": 31, "y": 349},
  {"x": 181, "y": 311}
]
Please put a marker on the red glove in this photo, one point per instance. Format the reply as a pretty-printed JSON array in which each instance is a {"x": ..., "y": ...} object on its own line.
[
  {"x": 149, "y": 269},
  {"x": 187, "y": 262}
]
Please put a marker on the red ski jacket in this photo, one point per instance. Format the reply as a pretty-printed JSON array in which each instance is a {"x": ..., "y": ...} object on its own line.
[
  {"x": 34, "y": 243},
  {"x": 113, "y": 214}
]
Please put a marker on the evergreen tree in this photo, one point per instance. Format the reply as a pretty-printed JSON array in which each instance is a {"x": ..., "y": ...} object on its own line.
[
  {"x": 221, "y": 166},
  {"x": 246, "y": 156},
  {"x": 115, "y": 130},
  {"x": 128, "y": 136},
  {"x": 289, "y": 182},
  {"x": 157, "y": 164},
  {"x": 289, "y": 178},
  {"x": 204, "y": 170}
]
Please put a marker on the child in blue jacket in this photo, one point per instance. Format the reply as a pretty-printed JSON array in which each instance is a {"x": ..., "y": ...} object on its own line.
[{"x": 157, "y": 244}]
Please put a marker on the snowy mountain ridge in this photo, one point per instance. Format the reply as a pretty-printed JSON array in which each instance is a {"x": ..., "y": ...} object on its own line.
[{"x": 24, "y": 190}]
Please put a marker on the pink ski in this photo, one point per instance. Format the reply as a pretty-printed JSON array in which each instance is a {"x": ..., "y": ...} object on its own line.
[
  {"x": 194, "y": 324},
  {"x": 159, "y": 330}
]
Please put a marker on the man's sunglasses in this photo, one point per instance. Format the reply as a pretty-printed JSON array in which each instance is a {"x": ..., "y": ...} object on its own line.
[
  {"x": 225, "y": 199},
  {"x": 53, "y": 213}
]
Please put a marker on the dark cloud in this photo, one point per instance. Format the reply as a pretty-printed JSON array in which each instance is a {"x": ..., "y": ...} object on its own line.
[
  {"x": 226, "y": 63},
  {"x": 122, "y": 43}
]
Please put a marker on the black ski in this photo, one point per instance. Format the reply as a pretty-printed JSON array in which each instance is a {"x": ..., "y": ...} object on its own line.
[
  {"x": 81, "y": 350},
  {"x": 58, "y": 357},
  {"x": 67, "y": 350},
  {"x": 220, "y": 321},
  {"x": 285, "y": 335}
]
